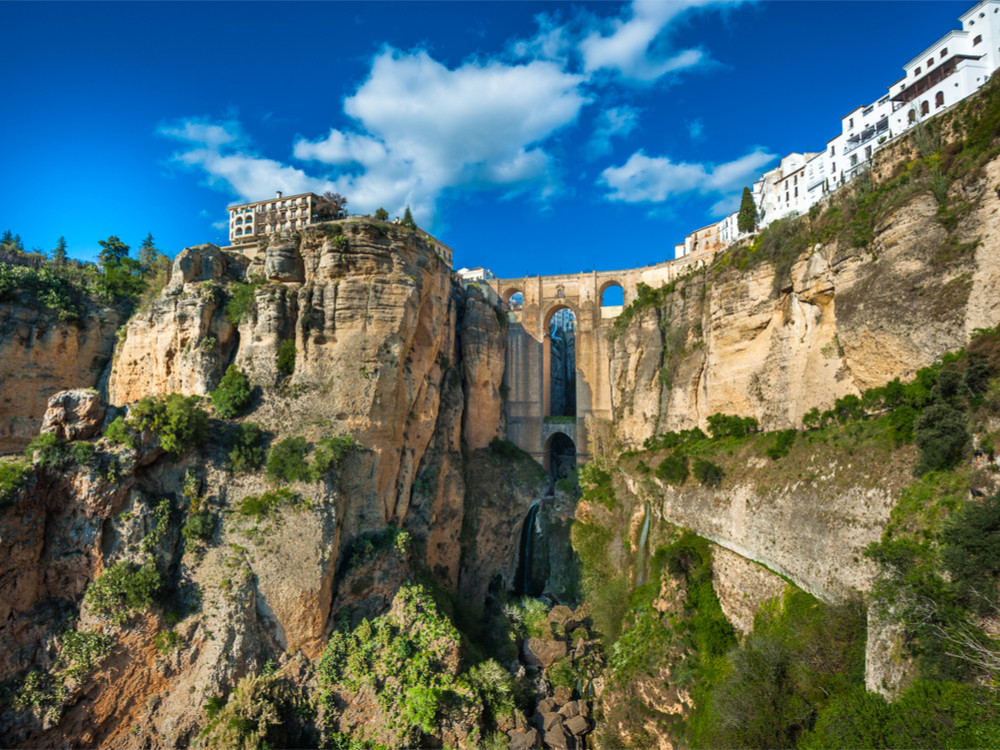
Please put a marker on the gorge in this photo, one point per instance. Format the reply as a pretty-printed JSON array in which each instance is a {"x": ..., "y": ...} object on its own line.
[{"x": 327, "y": 496}]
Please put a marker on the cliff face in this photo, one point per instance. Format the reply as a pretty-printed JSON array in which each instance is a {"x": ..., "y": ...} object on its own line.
[
  {"x": 845, "y": 319},
  {"x": 39, "y": 356},
  {"x": 388, "y": 349}
]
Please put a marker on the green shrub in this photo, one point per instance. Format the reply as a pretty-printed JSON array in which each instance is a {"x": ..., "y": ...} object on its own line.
[
  {"x": 287, "y": 461},
  {"x": 708, "y": 473},
  {"x": 179, "y": 422},
  {"x": 728, "y": 425},
  {"x": 119, "y": 433},
  {"x": 246, "y": 448},
  {"x": 123, "y": 590},
  {"x": 82, "y": 452},
  {"x": 811, "y": 419},
  {"x": 82, "y": 650},
  {"x": 329, "y": 454},
  {"x": 167, "y": 641},
  {"x": 12, "y": 476},
  {"x": 46, "y": 449},
  {"x": 940, "y": 433},
  {"x": 901, "y": 421},
  {"x": 381, "y": 214},
  {"x": 264, "y": 711},
  {"x": 783, "y": 440},
  {"x": 242, "y": 302},
  {"x": 199, "y": 525},
  {"x": 971, "y": 545},
  {"x": 496, "y": 687},
  {"x": 673, "y": 469},
  {"x": 848, "y": 408},
  {"x": 267, "y": 504},
  {"x": 232, "y": 396},
  {"x": 286, "y": 357}
]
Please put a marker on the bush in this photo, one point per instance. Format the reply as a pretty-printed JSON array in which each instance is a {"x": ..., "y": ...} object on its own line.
[
  {"x": 971, "y": 544},
  {"x": 123, "y": 590},
  {"x": 708, "y": 473},
  {"x": 246, "y": 449},
  {"x": 267, "y": 504},
  {"x": 329, "y": 454},
  {"x": 848, "y": 408},
  {"x": 728, "y": 425},
  {"x": 167, "y": 641},
  {"x": 233, "y": 394},
  {"x": 46, "y": 449},
  {"x": 783, "y": 440},
  {"x": 200, "y": 526},
  {"x": 381, "y": 214},
  {"x": 940, "y": 433},
  {"x": 12, "y": 476},
  {"x": 178, "y": 422},
  {"x": 673, "y": 469},
  {"x": 286, "y": 357},
  {"x": 242, "y": 302},
  {"x": 287, "y": 461},
  {"x": 811, "y": 419},
  {"x": 901, "y": 421},
  {"x": 82, "y": 452},
  {"x": 119, "y": 433}
]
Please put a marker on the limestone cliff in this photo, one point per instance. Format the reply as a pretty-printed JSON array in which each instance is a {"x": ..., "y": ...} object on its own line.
[
  {"x": 758, "y": 342},
  {"x": 40, "y": 355}
]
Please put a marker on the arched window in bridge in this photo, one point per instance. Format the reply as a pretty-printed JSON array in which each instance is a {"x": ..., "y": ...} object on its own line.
[
  {"x": 515, "y": 301},
  {"x": 562, "y": 363}
]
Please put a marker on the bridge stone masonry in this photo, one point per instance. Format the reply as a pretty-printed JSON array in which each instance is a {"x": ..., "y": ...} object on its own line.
[{"x": 528, "y": 379}]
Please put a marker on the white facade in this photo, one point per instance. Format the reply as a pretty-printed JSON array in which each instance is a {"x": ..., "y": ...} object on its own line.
[
  {"x": 475, "y": 274},
  {"x": 278, "y": 214}
]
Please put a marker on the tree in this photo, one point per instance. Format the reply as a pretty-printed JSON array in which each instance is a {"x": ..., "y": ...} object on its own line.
[
  {"x": 331, "y": 206},
  {"x": 408, "y": 219},
  {"x": 381, "y": 214},
  {"x": 147, "y": 253},
  {"x": 113, "y": 252},
  {"x": 746, "y": 220},
  {"x": 59, "y": 254}
]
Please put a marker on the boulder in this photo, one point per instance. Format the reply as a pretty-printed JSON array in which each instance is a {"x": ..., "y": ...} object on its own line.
[
  {"x": 562, "y": 616},
  {"x": 282, "y": 261},
  {"x": 571, "y": 709},
  {"x": 558, "y": 739},
  {"x": 547, "y": 721},
  {"x": 528, "y": 739},
  {"x": 74, "y": 415},
  {"x": 543, "y": 653},
  {"x": 562, "y": 694},
  {"x": 198, "y": 263},
  {"x": 578, "y": 725}
]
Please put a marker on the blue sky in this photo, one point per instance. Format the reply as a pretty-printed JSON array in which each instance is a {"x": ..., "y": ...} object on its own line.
[{"x": 531, "y": 137}]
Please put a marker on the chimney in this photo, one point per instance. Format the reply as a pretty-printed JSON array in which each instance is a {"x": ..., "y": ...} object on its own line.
[{"x": 279, "y": 193}]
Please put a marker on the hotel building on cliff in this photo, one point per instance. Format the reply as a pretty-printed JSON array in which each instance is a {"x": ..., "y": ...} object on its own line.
[
  {"x": 277, "y": 214},
  {"x": 953, "y": 68}
]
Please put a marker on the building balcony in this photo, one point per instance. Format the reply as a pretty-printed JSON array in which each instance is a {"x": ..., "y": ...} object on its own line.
[{"x": 882, "y": 126}]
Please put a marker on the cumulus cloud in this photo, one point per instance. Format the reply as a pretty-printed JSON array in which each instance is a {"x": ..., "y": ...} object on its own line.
[
  {"x": 611, "y": 123},
  {"x": 422, "y": 128},
  {"x": 633, "y": 46},
  {"x": 222, "y": 152},
  {"x": 645, "y": 179}
]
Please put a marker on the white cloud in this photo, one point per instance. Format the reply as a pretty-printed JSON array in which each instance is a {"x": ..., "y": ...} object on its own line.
[
  {"x": 633, "y": 47},
  {"x": 611, "y": 123},
  {"x": 644, "y": 179},
  {"x": 206, "y": 147},
  {"x": 424, "y": 128}
]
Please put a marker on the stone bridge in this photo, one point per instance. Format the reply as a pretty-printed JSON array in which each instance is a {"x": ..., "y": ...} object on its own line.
[{"x": 530, "y": 423}]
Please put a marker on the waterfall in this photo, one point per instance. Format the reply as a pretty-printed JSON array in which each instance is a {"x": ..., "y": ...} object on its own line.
[
  {"x": 524, "y": 584},
  {"x": 643, "y": 540}
]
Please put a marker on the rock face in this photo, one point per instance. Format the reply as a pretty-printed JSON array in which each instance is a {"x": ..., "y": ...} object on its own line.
[
  {"x": 38, "y": 357},
  {"x": 74, "y": 415},
  {"x": 844, "y": 320}
]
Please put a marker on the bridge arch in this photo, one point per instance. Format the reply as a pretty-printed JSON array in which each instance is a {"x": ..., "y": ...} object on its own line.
[
  {"x": 559, "y": 455},
  {"x": 547, "y": 320},
  {"x": 609, "y": 286}
]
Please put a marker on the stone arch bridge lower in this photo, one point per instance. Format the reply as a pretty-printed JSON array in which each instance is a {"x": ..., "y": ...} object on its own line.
[{"x": 530, "y": 424}]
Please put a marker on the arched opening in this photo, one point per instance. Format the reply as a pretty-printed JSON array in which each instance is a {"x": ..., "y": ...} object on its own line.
[
  {"x": 939, "y": 99},
  {"x": 560, "y": 456},
  {"x": 613, "y": 295},
  {"x": 562, "y": 363},
  {"x": 515, "y": 301},
  {"x": 911, "y": 116},
  {"x": 925, "y": 108}
]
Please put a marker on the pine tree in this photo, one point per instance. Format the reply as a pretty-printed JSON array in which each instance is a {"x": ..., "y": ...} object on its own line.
[
  {"x": 147, "y": 253},
  {"x": 746, "y": 220},
  {"x": 113, "y": 252},
  {"x": 408, "y": 219},
  {"x": 59, "y": 254}
]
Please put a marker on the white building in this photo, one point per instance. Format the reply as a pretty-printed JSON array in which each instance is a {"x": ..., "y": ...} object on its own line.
[
  {"x": 783, "y": 191},
  {"x": 275, "y": 215},
  {"x": 475, "y": 274}
]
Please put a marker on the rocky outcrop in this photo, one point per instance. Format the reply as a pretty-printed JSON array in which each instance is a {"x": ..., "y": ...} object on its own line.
[
  {"x": 843, "y": 320},
  {"x": 74, "y": 415},
  {"x": 39, "y": 356}
]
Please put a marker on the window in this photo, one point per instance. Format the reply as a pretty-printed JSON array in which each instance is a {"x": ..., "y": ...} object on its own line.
[
  {"x": 925, "y": 107},
  {"x": 796, "y": 192},
  {"x": 868, "y": 152},
  {"x": 833, "y": 150},
  {"x": 917, "y": 72},
  {"x": 939, "y": 99},
  {"x": 944, "y": 52},
  {"x": 833, "y": 167},
  {"x": 930, "y": 62},
  {"x": 912, "y": 117},
  {"x": 795, "y": 180},
  {"x": 850, "y": 123},
  {"x": 977, "y": 40},
  {"x": 854, "y": 159}
]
